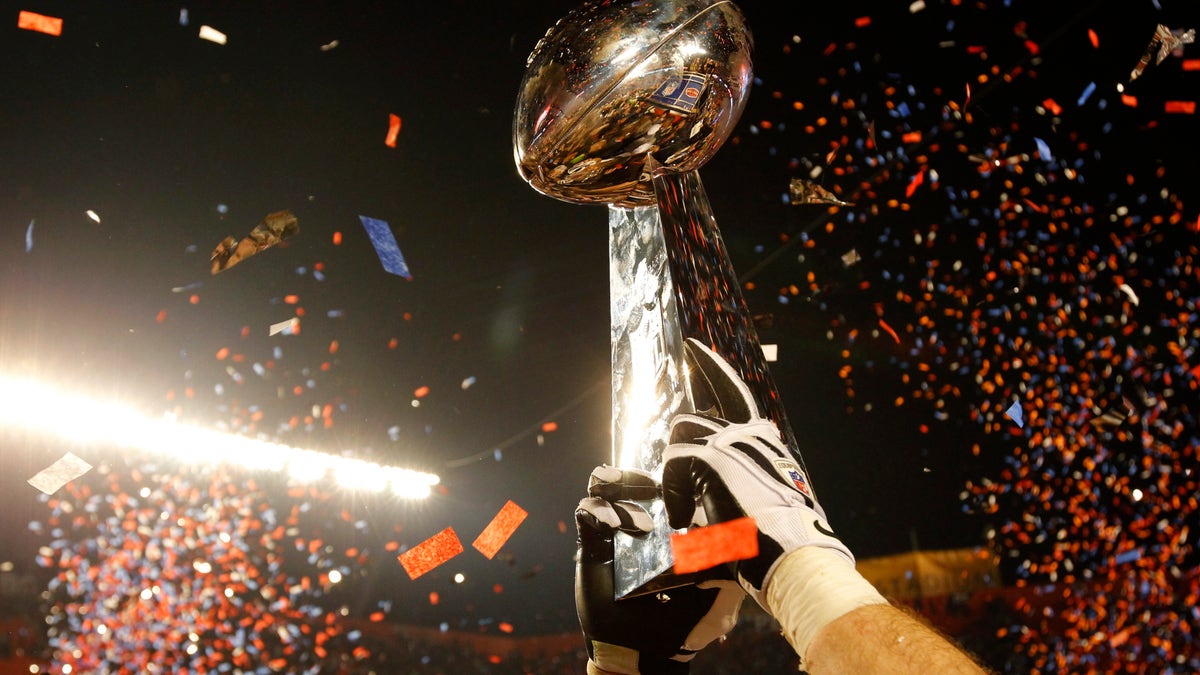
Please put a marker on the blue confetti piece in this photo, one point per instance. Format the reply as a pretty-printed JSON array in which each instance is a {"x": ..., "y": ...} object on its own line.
[
  {"x": 1128, "y": 556},
  {"x": 1014, "y": 413},
  {"x": 386, "y": 247},
  {"x": 1043, "y": 150},
  {"x": 1087, "y": 93},
  {"x": 29, "y": 237}
]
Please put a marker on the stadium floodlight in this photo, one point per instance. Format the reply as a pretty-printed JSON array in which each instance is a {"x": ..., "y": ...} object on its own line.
[{"x": 81, "y": 420}]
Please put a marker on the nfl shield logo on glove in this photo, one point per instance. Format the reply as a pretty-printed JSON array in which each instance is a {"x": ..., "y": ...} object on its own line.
[{"x": 794, "y": 474}]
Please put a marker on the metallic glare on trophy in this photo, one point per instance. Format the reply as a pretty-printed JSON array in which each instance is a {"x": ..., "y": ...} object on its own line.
[
  {"x": 621, "y": 104},
  {"x": 613, "y": 84}
]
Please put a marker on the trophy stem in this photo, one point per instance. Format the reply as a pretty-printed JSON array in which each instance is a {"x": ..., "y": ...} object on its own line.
[
  {"x": 648, "y": 381},
  {"x": 708, "y": 297},
  {"x": 670, "y": 278},
  {"x": 648, "y": 378}
]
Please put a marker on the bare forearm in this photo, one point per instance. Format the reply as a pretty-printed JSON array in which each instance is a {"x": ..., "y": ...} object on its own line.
[
  {"x": 884, "y": 635},
  {"x": 838, "y": 623}
]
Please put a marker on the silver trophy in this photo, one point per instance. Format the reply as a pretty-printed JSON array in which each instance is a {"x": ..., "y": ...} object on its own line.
[{"x": 621, "y": 104}]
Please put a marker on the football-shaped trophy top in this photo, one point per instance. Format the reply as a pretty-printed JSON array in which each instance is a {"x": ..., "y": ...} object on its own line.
[{"x": 615, "y": 83}]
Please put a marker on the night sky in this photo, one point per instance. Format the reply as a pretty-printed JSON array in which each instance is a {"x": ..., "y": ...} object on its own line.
[{"x": 176, "y": 142}]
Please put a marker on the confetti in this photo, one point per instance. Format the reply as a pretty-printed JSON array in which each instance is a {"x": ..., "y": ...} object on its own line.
[
  {"x": 64, "y": 470},
  {"x": 703, "y": 547},
  {"x": 39, "y": 23},
  {"x": 770, "y": 353},
  {"x": 286, "y": 327},
  {"x": 393, "y": 130},
  {"x": 1184, "y": 107},
  {"x": 803, "y": 191},
  {"x": 850, "y": 257},
  {"x": 500, "y": 529},
  {"x": 212, "y": 35},
  {"x": 1015, "y": 414},
  {"x": 386, "y": 247},
  {"x": 890, "y": 331},
  {"x": 1127, "y": 290},
  {"x": 1087, "y": 93},
  {"x": 29, "y": 237},
  {"x": 430, "y": 553},
  {"x": 274, "y": 229},
  {"x": 1164, "y": 42},
  {"x": 93, "y": 215},
  {"x": 1043, "y": 150}
]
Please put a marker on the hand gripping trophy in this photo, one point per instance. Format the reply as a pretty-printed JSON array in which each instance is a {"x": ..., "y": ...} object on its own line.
[{"x": 621, "y": 104}]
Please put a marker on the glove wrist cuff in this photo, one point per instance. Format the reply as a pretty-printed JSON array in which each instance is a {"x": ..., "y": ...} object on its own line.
[
  {"x": 593, "y": 669},
  {"x": 810, "y": 588}
]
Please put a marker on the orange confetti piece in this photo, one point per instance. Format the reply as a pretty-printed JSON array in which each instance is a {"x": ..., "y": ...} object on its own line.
[
  {"x": 1094, "y": 38},
  {"x": 500, "y": 529},
  {"x": 337, "y": 238},
  {"x": 505, "y": 627},
  {"x": 914, "y": 183},
  {"x": 222, "y": 353},
  {"x": 430, "y": 553},
  {"x": 862, "y": 21},
  {"x": 703, "y": 547},
  {"x": 1191, "y": 64},
  {"x": 911, "y": 137},
  {"x": 549, "y": 426},
  {"x": 393, "y": 130},
  {"x": 333, "y": 346},
  {"x": 162, "y": 316},
  {"x": 291, "y": 299},
  {"x": 434, "y": 598},
  {"x": 1186, "y": 107},
  {"x": 1053, "y": 106},
  {"x": 195, "y": 299},
  {"x": 421, "y": 391},
  {"x": 40, "y": 23},
  {"x": 1128, "y": 100},
  {"x": 890, "y": 331},
  {"x": 376, "y": 616}
]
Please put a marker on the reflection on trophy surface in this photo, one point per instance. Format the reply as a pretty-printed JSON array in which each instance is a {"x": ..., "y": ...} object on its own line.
[
  {"x": 609, "y": 86},
  {"x": 621, "y": 104}
]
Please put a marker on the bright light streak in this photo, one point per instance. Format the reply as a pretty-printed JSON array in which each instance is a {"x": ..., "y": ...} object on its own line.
[{"x": 77, "y": 419}]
